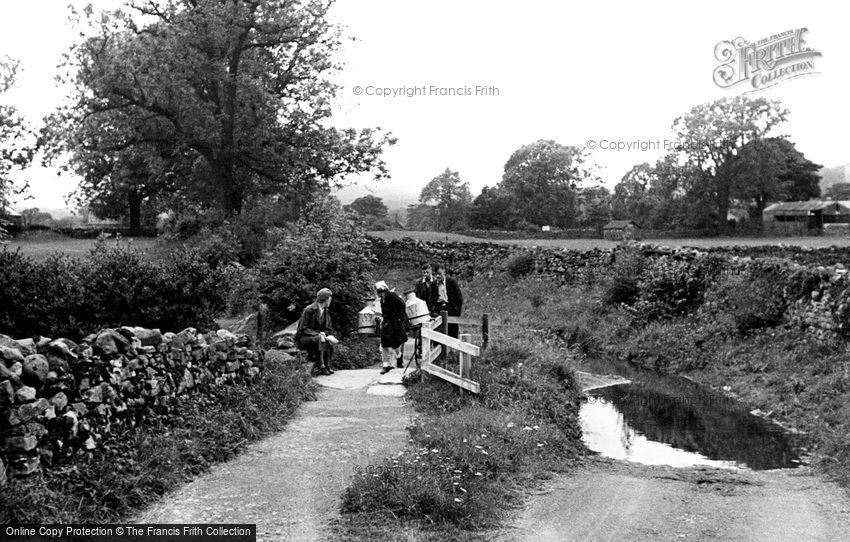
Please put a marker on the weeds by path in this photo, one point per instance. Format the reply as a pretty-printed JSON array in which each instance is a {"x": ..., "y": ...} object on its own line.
[{"x": 471, "y": 458}]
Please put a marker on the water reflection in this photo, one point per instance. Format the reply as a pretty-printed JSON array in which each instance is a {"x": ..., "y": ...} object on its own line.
[{"x": 681, "y": 425}]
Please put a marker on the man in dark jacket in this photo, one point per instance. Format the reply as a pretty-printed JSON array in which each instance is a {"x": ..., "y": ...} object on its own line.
[
  {"x": 424, "y": 288},
  {"x": 315, "y": 334},
  {"x": 447, "y": 297},
  {"x": 393, "y": 327}
]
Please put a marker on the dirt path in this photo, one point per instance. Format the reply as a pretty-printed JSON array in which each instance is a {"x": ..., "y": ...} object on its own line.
[
  {"x": 613, "y": 500},
  {"x": 290, "y": 484},
  {"x": 610, "y": 500}
]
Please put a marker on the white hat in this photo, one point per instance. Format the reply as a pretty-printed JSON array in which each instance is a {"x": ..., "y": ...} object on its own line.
[{"x": 381, "y": 285}]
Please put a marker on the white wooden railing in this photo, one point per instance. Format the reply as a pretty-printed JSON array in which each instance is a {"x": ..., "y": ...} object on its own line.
[{"x": 433, "y": 344}]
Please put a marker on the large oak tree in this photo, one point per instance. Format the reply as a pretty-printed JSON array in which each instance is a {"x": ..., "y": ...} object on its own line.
[
  {"x": 542, "y": 179},
  {"x": 710, "y": 136},
  {"x": 770, "y": 170},
  {"x": 232, "y": 98}
]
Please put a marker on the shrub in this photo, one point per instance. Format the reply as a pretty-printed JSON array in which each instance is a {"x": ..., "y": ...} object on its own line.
[
  {"x": 218, "y": 246},
  {"x": 757, "y": 295},
  {"x": 520, "y": 265},
  {"x": 356, "y": 352},
  {"x": 244, "y": 289},
  {"x": 325, "y": 248},
  {"x": 667, "y": 345},
  {"x": 240, "y": 238},
  {"x": 190, "y": 222},
  {"x": 620, "y": 286},
  {"x": 671, "y": 288},
  {"x": 72, "y": 297}
]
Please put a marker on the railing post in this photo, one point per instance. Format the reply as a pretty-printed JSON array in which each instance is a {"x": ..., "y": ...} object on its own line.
[
  {"x": 444, "y": 329},
  {"x": 465, "y": 359},
  {"x": 485, "y": 330},
  {"x": 425, "y": 347}
]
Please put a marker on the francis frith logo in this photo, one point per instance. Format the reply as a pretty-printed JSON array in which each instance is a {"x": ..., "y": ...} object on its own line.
[{"x": 764, "y": 63}]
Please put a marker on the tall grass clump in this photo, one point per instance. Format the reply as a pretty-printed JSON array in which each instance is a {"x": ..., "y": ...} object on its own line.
[{"x": 471, "y": 455}]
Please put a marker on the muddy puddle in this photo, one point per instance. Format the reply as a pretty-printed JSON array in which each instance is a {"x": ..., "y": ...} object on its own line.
[{"x": 672, "y": 421}]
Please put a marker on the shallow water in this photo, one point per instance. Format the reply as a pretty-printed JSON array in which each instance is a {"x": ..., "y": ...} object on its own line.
[{"x": 671, "y": 421}]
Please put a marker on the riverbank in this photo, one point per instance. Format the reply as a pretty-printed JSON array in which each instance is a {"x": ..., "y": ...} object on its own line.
[{"x": 783, "y": 373}]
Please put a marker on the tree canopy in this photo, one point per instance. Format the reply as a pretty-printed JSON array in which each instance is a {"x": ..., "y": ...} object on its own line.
[
  {"x": 15, "y": 150},
  {"x": 216, "y": 102},
  {"x": 710, "y": 136},
  {"x": 769, "y": 170},
  {"x": 447, "y": 199},
  {"x": 369, "y": 205},
  {"x": 542, "y": 179},
  {"x": 838, "y": 191}
]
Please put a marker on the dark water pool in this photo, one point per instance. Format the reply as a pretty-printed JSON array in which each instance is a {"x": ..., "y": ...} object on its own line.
[{"x": 666, "y": 421}]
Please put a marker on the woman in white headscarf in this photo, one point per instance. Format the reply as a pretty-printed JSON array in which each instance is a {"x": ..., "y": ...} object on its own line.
[{"x": 393, "y": 326}]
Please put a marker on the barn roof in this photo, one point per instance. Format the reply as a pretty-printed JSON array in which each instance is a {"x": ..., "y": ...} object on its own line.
[
  {"x": 619, "y": 224},
  {"x": 804, "y": 207}
]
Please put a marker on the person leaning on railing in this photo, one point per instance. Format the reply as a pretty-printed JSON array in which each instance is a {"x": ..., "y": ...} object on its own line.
[
  {"x": 447, "y": 297},
  {"x": 424, "y": 287}
]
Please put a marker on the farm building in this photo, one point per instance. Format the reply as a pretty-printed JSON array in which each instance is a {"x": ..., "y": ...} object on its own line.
[
  {"x": 621, "y": 229},
  {"x": 804, "y": 216}
]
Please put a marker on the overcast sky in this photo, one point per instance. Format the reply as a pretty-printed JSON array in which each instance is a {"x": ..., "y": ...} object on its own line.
[{"x": 572, "y": 72}]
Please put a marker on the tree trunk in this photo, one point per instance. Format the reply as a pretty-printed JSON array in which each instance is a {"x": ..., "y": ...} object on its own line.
[
  {"x": 229, "y": 196},
  {"x": 134, "y": 202},
  {"x": 723, "y": 206}
]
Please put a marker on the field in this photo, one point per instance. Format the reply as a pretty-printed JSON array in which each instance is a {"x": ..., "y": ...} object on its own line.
[
  {"x": 44, "y": 245},
  {"x": 590, "y": 244}
]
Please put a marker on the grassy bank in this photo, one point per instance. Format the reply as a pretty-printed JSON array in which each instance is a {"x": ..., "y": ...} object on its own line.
[
  {"x": 133, "y": 470},
  {"x": 797, "y": 380},
  {"x": 471, "y": 458}
]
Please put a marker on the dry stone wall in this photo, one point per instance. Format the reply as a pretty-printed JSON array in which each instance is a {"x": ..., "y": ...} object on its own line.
[
  {"x": 59, "y": 398},
  {"x": 825, "y": 313}
]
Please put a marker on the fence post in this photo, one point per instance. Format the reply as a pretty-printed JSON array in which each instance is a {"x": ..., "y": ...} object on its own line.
[
  {"x": 465, "y": 361},
  {"x": 425, "y": 348},
  {"x": 485, "y": 330},
  {"x": 444, "y": 329}
]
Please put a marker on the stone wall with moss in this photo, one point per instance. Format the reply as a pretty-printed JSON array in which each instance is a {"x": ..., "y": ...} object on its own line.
[{"x": 60, "y": 399}]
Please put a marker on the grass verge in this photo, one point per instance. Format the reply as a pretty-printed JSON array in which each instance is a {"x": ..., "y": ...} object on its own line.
[
  {"x": 134, "y": 469},
  {"x": 470, "y": 458}
]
